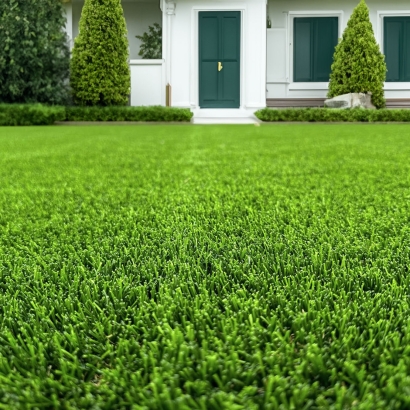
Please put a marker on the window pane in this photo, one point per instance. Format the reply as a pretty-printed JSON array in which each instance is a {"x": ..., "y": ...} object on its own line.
[
  {"x": 396, "y": 48},
  {"x": 325, "y": 43},
  {"x": 302, "y": 49},
  {"x": 393, "y": 28},
  {"x": 406, "y": 51},
  {"x": 315, "y": 39}
]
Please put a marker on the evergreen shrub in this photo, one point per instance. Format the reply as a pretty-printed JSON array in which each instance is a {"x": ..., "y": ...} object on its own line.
[
  {"x": 100, "y": 75},
  {"x": 358, "y": 64},
  {"x": 151, "y": 42},
  {"x": 30, "y": 114},
  {"x": 332, "y": 115},
  {"x": 34, "y": 53},
  {"x": 143, "y": 114}
]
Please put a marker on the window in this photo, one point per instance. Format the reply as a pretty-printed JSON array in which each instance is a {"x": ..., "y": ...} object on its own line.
[
  {"x": 315, "y": 39},
  {"x": 396, "y": 48}
]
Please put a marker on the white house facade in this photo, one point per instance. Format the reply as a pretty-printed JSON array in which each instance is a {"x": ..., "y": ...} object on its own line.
[
  {"x": 290, "y": 24},
  {"x": 228, "y": 58}
]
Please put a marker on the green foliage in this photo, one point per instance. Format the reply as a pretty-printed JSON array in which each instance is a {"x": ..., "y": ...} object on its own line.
[
  {"x": 34, "y": 114},
  {"x": 151, "y": 42},
  {"x": 37, "y": 114},
  {"x": 34, "y": 54},
  {"x": 100, "y": 74},
  {"x": 215, "y": 267},
  {"x": 333, "y": 115},
  {"x": 151, "y": 114},
  {"x": 358, "y": 64}
]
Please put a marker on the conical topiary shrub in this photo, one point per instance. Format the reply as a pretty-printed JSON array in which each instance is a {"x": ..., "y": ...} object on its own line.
[
  {"x": 100, "y": 74},
  {"x": 358, "y": 64}
]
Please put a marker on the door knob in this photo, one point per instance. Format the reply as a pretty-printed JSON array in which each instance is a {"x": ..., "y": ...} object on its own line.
[{"x": 220, "y": 66}]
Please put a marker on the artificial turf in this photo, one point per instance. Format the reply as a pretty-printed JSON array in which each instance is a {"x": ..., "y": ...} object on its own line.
[{"x": 214, "y": 267}]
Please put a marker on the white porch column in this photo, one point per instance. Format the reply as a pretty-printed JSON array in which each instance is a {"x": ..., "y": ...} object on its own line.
[
  {"x": 168, "y": 11},
  {"x": 68, "y": 7}
]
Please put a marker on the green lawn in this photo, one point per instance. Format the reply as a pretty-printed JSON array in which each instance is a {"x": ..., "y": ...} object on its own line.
[{"x": 215, "y": 267}]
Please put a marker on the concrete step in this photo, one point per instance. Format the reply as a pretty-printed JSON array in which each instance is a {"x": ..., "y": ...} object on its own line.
[
  {"x": 224, "y": 120},
  {"x": 221, "y": 113}
]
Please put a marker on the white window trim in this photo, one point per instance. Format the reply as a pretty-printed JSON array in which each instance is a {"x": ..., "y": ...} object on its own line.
[
  {"x": 314, "y": 13},
  {"x": 390, "y": 86},
  {"x": 309, "y": 86},
  {"x": 379, "y": 25}
]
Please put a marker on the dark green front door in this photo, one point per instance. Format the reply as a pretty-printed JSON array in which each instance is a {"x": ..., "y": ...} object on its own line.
[{"x": 219, "y": 59}]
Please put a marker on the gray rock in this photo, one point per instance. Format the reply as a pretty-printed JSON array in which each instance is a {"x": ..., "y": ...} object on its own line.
[
  {"x": 361, "y": 100},
  {"x": 341, "y": 101},
  {"x": 351, "y": 100}
]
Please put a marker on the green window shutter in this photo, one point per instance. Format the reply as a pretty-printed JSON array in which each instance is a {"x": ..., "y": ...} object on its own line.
[
  {"x": 325, "y": 43},
  {"x": 406, "y": 50},
  {"x": 315, "y": 39},
  {"x": 396, "y": 48},
  {"x": 392, "y": 39},
  {"x": 302, "y": 58}
]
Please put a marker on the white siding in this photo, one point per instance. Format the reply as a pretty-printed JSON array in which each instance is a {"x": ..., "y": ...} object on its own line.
[{"x": 147, "y": 82}]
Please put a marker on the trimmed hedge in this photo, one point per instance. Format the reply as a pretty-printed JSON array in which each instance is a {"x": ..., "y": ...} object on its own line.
[
  {"x": 37, "y": 114},
  {"x": 30, "y": 114},
  {"x": 143, "y": 114},
  {"x": 332, "y": 115}
]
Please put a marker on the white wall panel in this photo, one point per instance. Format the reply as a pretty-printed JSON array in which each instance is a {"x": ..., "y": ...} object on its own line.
[
  {"x": 277, "y": 55},
  {"x": 147, "y": 82}
]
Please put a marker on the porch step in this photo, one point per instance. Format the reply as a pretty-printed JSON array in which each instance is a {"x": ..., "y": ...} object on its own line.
[
  {"x": 225, "y": 120},
  {"x": 224, "y": 116}
]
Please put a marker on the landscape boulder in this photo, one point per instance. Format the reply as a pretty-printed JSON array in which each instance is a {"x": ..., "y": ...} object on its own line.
[{"x": 351, "y": 100}]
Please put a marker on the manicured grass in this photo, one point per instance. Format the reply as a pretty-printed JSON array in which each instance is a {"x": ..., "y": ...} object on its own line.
[{"x": 187, "y": 267}]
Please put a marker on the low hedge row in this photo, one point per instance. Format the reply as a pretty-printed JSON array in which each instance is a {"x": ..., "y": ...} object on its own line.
[
  {"x": 37, "y": 114},
  {"x": 30, "y": 114},
  {"x": 332, "y": 115},
  {"x": 145, "y": 114}
]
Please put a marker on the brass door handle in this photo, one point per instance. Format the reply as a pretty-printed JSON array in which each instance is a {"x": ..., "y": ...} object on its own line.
[{"x": 220, "y": 66}]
